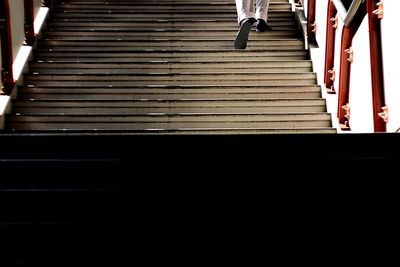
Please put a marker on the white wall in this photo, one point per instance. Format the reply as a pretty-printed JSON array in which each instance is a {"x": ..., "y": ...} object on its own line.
[
  {"x": 1, "y": 84},
  {"x": 391, "y": 60},
  {"x": 17, "y": 25},
  {"x": 360, "y": 83},
  {"x": 37, "y": 4}
]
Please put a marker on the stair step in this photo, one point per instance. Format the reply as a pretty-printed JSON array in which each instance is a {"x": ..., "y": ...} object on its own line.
[
  {"x": 242, "y": 82},
  {"x": 157, "y": 8},
  {"x": 158, "y": 53},
  {"x": 166, "y": 35},
  {"x": 93, "y": 44},
  {"x": 97, "y": 58},
  {"x": 223, "y": 19},
  {"x": 131, "y": 93},
  {"x": 151, "y": 83},
  {"x": 158, "y": 126},
  {"x": 136, "y": 56},
  {"x": 216, "y": 15},
  {"x": 175, "y": 63},
  {"x": 169, "y": 65},
  {"x": 121, "y": 95},
  {"x": 161, "y": 69},
  {"x": 216, "y": 2},
  {"x": 206, "y": 131},
  {"x": 160, "y": 80},
  {"x": 170, "y": 118},
  {"x": 157, "y": 24},
  {"x": 173, "y": 17},
  {"x": 178, "y": 52},
  {"x": 145, "y": 122},
  {"x": 163, "y": 31},
  {"x": 149, "y": 106},
  {"x": 173, "y": 90},
  {"x": 172, "y": 76},
  {"x": 158, "y": 1}
]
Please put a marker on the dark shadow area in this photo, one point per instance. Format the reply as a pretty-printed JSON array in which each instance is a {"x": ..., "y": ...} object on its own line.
[{"x": 132, "y": 198}]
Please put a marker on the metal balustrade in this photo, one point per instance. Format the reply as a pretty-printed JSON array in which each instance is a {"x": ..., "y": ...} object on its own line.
[
  {"x": 352, "y": 14},
  {"x": 7, "y": 53},
  {"x": 7, "y": 77}
]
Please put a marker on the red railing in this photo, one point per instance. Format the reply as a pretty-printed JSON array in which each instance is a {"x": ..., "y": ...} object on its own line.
[
  {"x": 352, "y": 21},
  {"x": 7, "y": 76},
  {"x": 311, "y": 23},
  {"x": 346, "y": 59},
  {"x": 331, "y": 26},
  {"x": 375, "y": 14},
  {"x": 30, "y": 35}
]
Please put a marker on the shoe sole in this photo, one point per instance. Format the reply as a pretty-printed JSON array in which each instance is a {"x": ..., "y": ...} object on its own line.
[
  {"x": 258, "y": 30},
  {"x": 242, "y": 36}
]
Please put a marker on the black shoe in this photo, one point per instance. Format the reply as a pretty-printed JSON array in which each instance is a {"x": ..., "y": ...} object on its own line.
[
  {"x": 262, "y": 26},
  {"x": 243, "y": 33}
]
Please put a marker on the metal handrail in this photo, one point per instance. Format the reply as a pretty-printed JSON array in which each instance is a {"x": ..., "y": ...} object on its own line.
[
  {"x": 7, "y": 77},
  {"x": 347, "y": 15},
  {"x": 30, "y": 35},
  {"x": 352, "y": 15},
  {"x": 352, "y": 20}
]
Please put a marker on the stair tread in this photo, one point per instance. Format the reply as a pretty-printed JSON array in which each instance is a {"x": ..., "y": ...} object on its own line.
[{"x": 202, "y": 131}]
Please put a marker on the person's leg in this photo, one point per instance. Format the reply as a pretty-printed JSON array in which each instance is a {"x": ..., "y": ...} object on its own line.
[
  {"x": 262, "y": 9},
  {"x": 262, "y": 15},
  {"x": 245, "y": 9},
  {"x": 246, "y": 19}
]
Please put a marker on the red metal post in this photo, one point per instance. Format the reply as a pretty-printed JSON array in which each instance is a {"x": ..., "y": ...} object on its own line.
[
  {"x": 375, "y": 14},
  {"x": 311, "y": 24},
  {"x": 30, "y": 35},
  {"x": 7, "y": 76},
  {"x": 346, "y": 59},
  {"x": 331, "y": 26}
]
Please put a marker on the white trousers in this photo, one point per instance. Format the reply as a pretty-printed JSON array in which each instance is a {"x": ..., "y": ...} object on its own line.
[{"x": 247, "y": 9}]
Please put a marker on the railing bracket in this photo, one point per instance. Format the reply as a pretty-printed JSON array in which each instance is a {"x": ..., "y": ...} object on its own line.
[
  {"x": 384, "y": 114},
  {"x": 347, "y": 109},
  {"x": 314, "y": 27},
  {"x": 350, "y": 52},
  {"x": 331, "y": 90},
  {"x": 335, "y": 21},
  {"x": 346, "y": 125},
  {"x": 379, "y": 10},
  {"x": 333, "y": 74}
]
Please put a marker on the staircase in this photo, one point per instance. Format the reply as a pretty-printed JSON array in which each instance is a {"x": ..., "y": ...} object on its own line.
[
  {"x": 126, "y": 98},
  {"x": 167, "y": 67}
]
